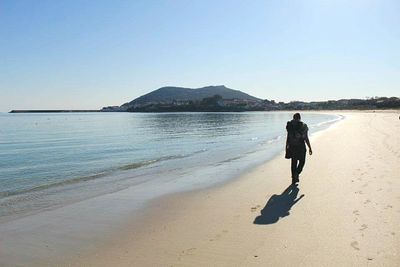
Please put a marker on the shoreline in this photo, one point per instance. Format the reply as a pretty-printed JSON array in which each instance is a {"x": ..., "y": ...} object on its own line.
[
  {"x": 224, "y": 225},
  {"x": 230, "y": 163},
  {"x": 16, "y": 233},
  {"x": 179, "y": 218}
]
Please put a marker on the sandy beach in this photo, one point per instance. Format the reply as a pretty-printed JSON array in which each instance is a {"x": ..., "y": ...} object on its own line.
[{"x": 344, "y": 212}]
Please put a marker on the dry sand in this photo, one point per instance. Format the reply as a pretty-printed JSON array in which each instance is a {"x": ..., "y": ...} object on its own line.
[{"x": 345, "y": 211}]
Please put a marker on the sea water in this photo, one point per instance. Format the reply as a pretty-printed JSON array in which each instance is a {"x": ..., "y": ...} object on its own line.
[{"x": 49, "y": 160}]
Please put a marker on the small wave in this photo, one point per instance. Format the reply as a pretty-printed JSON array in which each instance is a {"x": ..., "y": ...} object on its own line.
[
  {"x": 78, "y": 179},
  {"x": 277, "y": 138},
  {"x": 272, "y": 140},
  {"x": 127, "y": 167},
  {"x": 137, "y": 165},
  {"x": 229, "y": 160},
  {"x": 51, "y": 185},
  {"x": 338, "y": 118}
]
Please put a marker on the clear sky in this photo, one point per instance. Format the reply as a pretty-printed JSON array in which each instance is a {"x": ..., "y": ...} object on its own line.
[{"x": 90, "y": 54}]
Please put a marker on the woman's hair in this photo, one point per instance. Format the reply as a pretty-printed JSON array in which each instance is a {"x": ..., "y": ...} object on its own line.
[{"x": 297, "y": 116}]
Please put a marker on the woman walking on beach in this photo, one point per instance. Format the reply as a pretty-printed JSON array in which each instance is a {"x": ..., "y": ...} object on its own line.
[{"x": 297, "y": 138}]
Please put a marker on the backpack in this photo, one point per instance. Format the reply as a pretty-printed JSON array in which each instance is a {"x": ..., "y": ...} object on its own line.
[{"x": 296, "y": 132}]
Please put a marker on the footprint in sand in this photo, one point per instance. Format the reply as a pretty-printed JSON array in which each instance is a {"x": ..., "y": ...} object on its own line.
[
  {"x": 189, "y": 251},
  {"x": 356, "y": 212},
  {"x": 367, "y": 201},
  {"x": 253, "y": 209},
  {"x": 354, "y": 244},
  {"x": 219, "y": 236},
  {"x": 363, "y": 227}
]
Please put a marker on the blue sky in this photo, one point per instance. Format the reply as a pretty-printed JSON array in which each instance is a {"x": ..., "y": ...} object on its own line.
[{"x": 89, "y": 54}]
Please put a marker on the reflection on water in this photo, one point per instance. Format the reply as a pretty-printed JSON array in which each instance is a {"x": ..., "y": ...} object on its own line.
[{"x": 207, "y": 124}]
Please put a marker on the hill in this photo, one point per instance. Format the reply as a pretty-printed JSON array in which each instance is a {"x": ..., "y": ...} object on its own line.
[{"x": 169, "y": 94}]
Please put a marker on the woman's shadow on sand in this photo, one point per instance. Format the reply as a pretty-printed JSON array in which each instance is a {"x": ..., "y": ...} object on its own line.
[{"x": 278, "y": 206}]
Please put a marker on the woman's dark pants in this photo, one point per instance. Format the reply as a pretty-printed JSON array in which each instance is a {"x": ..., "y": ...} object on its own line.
[{"x": 298, "y": 160}]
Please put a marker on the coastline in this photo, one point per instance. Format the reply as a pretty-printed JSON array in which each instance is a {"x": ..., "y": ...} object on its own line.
[
  {"x": 211, "y": 226},
  {"x": 349, "y": 214}
]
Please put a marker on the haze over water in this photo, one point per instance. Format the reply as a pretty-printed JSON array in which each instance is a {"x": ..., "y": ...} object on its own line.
[{"x": 49, "y": 160}]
